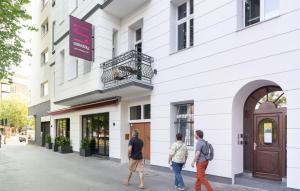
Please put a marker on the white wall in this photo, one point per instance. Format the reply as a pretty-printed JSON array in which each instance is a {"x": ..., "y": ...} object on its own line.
[
  {"x": 222, "y": 61},
  {"x": 39, "y": 73},
  {"x": 84, "y": 82}
]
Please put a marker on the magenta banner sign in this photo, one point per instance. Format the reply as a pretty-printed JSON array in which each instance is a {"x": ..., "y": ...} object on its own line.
[{"x": 81, "y": 39}]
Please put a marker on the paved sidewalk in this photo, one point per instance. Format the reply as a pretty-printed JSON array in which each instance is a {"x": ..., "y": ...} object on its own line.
[{"x": 33, "y": 168}]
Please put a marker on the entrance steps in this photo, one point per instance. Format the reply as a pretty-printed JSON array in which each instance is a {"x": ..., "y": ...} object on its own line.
[{"x": 246, "y": 179}]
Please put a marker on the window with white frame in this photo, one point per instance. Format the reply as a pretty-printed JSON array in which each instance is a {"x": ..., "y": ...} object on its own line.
[
  {"x": 4, "y": 95},
  {"x": 259, "y": 10},
  {"x": 140, "y": 112},
  {"x": 45, "y": 28},
  {"x": 44, "y": 89},
  {"x": 45, "y": 57},
  {"x": 185, "y": 25},
  {"x": 5, "y": 87},
  {"x": 114, "y": 43},
  {"x": 185, "y": 122}
]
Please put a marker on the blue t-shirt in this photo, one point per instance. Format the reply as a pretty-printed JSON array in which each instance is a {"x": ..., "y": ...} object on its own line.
[{"x": 137, "y": 146}]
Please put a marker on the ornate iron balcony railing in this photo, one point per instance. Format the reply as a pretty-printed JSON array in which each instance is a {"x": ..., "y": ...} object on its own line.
[{"x": 130, "y": 66}]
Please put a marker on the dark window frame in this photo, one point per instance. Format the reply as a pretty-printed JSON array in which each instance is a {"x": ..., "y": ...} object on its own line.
[
  {"x": 59, "y": 123},
  {"x": 148, "y": 113},
  {"x": 137, "y": 112},
  {"x": 185, "y": 120}
]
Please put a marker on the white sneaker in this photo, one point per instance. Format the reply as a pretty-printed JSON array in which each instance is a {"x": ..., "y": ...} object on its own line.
[{"x": 180, "y": 188}]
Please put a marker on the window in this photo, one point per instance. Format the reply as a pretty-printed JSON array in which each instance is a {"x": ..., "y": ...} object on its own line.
[
  {"x": 53, "y": 30},
  {"x": 44, "y": 89},
  {"x": 138, "y": 40},
  {"x": 13, "y": 89},
  {"x": 259, "y": 10},
  {"x": 45, "y": 57},
  {"x": 62, "y": 67},
  {"x": 87, "y": 66},
  {"x": 135, "y": 112},
  {"x": 185, "y": 122},
  {"x": 268, "y": 132},
  {"x": 114, "y": 43},
  {"x": 63, "y": 127},
  {"x": 45, "y": 28},
  {"x": 72, "y": 68},
  {"x": 147, "y": 111},
  {"x": 4, "y": 95},
  {"x": 5, "y": 87},
  {"x": 185, "y": 25}
]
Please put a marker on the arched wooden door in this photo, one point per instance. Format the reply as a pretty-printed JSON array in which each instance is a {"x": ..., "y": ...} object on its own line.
[{"x": 269, "y": 142}]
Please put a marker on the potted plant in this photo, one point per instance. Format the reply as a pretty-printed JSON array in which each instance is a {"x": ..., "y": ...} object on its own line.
[
  {"x": 65, "y": 145},
  {"x": 48, "y": 142},
  {"x": 85, "y": 147},
  {"x": 56, "y": 143}
]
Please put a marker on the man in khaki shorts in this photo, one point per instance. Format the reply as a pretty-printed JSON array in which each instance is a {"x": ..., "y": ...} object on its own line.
[{"x": 135, "y": 156}]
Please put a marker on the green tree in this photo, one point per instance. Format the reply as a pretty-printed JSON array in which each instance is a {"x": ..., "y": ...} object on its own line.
[
  {"x": 273, "y": 96},
  {"x": 13, "y": 19},
  {"x": 15, "y": 110}
]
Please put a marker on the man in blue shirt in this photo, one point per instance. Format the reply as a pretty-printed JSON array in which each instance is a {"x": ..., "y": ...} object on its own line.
[{"x": 135, "y": 156}]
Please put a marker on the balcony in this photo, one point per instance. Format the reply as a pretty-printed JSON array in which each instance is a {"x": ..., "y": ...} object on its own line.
[
  {"x": 126, "y": 76},
  {"x": 121, "y": 8},
  {"x": 131, "y": 67}
]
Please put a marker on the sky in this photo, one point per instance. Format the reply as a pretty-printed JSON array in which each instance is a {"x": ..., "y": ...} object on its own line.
[{"x": 24, "y": 66}]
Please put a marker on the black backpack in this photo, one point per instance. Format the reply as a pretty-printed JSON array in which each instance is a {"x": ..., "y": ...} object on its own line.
[{"x": 208, "y": 151}]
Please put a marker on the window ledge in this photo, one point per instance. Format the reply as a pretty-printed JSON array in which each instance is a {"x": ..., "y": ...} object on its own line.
[
  {"x": 182, "y": 50},
  {"x": 258, "y": 23},
  {"x": 74, "y": 78}
]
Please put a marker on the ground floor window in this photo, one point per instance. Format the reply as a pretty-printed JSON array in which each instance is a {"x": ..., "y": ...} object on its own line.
[
  {"x": 63, "y": 127},
  {"x": 185, "y": 122},
  {"x": 96, "y": 128},
  {"x": 140, "y": 112}
]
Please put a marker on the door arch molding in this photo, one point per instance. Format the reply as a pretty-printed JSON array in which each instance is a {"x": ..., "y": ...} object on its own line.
[{"x": 238, "y": 104}]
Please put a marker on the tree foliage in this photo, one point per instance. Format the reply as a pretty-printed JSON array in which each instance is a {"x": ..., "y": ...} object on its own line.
[
  {"x": 13, "y": 19},
  {"x": 274, "y": 96},
  {"x": 15, "y": 110}
]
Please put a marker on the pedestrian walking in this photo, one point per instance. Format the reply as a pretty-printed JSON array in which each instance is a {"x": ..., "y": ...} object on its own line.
[
  {"x": 201, "y": 161},
  {"x": 177, "y": 159},
  {"x": 4, "y": 138},
  {"x": 135, "y": 156}
]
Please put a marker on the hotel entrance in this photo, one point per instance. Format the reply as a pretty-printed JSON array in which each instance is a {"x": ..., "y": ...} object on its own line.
[
  {"x": 265, "y": 133},
  {"x": 96, "y": 128}
]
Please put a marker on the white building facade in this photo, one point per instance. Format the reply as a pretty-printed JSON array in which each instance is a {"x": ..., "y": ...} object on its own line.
[
  {"x": 41, "y": 62},
  {"x": 228, "y": 67}
]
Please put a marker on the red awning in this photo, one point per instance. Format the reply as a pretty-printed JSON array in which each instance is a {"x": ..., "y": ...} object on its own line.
[{"x": 85, "y": 106}]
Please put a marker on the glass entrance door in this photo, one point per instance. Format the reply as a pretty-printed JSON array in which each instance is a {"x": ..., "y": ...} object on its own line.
[{"x": 96, "y": 128}]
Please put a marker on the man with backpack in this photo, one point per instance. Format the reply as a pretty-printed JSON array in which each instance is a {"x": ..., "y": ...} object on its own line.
[{"x": 203, "y": 153}]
